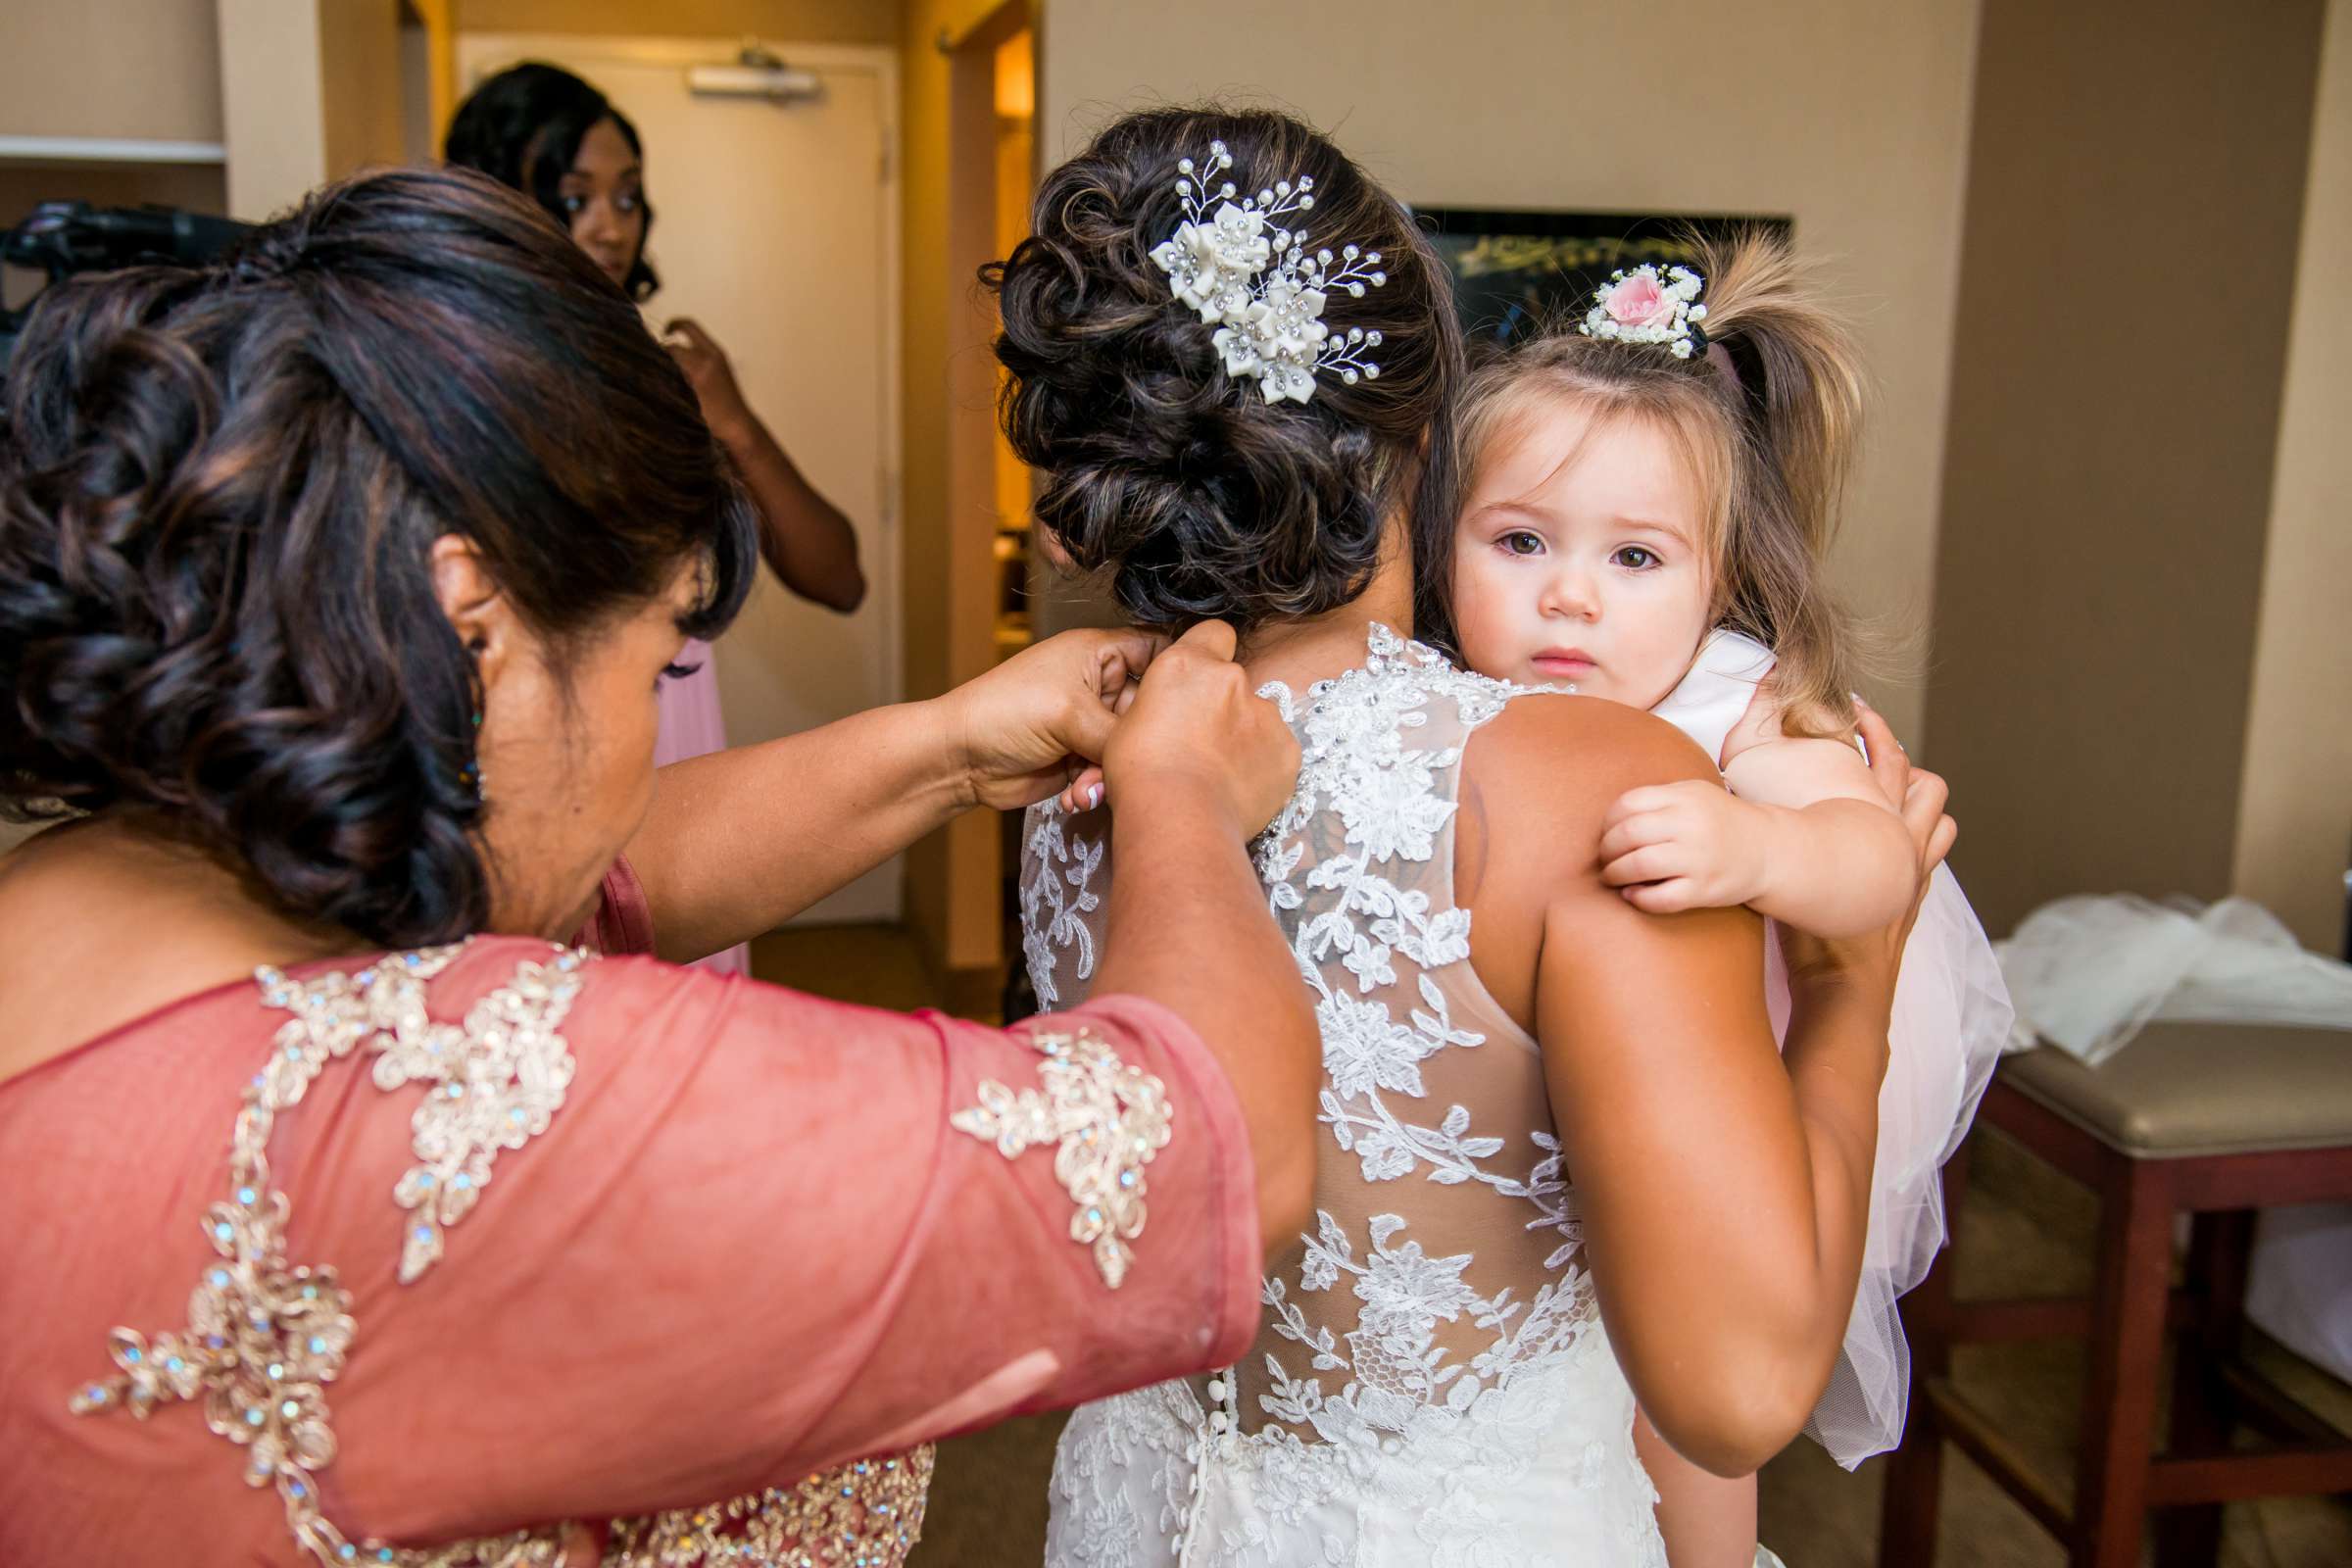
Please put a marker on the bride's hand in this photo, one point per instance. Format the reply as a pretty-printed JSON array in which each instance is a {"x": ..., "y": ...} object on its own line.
[
  {"x": 1196, "y": 727},
  {"x": 1085, "y": 791},
  {"x": 1919, "y": 796},
  {"x": 1020, "y": 731}
]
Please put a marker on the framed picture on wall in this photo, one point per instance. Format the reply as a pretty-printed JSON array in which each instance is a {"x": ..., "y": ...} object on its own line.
[{"x": 1514, "y": 270}]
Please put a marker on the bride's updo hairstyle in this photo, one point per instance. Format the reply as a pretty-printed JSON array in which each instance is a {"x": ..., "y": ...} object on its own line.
[
  {"x": 1198, "y": 496},
  {"x": 219, "y": 491}
]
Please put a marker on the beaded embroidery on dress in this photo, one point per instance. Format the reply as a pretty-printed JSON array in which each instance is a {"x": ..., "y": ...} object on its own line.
[
  {"x": 1431, "y": 1384},
  {"x": 265, "y": 1337}
]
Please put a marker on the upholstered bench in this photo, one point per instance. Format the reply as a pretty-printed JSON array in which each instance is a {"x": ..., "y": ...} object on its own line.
[{"x": 2214, "y": 1120}]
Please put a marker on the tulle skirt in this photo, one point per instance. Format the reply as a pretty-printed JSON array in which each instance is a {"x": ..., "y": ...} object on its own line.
[{"x": 1951, "y": 1019}]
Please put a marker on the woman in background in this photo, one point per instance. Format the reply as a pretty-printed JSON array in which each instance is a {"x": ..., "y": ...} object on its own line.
[{"x": 547, "y": 133}]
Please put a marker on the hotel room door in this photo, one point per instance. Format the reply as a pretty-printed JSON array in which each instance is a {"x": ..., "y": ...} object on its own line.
[{"x": 777, "y": 226}]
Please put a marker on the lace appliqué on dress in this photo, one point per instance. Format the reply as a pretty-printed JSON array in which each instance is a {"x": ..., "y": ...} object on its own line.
[
  {"x": 1106, "y": 1121},
  {"x": 1055, "y": 900},
  {"x": 265, "y": 1337},
  {"x": 1416, "y": 1408},
  {"x": 1352, "y": 918}
]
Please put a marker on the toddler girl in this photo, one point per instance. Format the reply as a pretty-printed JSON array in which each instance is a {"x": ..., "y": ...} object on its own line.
[{"x": 1648, "y": 499}]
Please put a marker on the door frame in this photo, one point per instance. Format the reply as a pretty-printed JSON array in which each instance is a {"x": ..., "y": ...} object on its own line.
[{"x": 885, "y": 563}]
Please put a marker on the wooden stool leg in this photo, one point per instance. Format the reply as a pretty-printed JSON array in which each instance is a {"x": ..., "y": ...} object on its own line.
[
  {"x": 2126, "y": 1353},
  {"x": 1915, "y": 1471},
  {"x": 2219, "y": 1250}
]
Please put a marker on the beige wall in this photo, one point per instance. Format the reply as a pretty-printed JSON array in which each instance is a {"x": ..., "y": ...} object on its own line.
[
  {"x": 274, "y": 104},
  {"x": 143, "y": 69},
  {"x": 778, "y": 21},
  {"x": 2136, "y": 179},
  {"x": 952, "y": 876},
  {"x": 2294, "y": 819},
  {"x": 924, "y": 84},
  {"x": 1849, "y": 115},
  {"x": 362, "y": 66},
  {"x": 310, "y": 90}
]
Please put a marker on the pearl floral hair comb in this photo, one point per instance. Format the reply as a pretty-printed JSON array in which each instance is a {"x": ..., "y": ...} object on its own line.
[{"x": 1260, "y": 285}]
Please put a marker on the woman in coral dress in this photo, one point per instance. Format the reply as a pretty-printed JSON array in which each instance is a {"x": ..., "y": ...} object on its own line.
[{"x": 381, "y": 1189}]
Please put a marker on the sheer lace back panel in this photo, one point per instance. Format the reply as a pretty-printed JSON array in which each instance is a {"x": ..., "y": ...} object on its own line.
[{"x": 1444, "y": 1260}]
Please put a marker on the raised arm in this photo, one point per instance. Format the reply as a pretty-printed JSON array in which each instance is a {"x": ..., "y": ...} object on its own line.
[
  {"x": 740, "y": 840},
  {"x": 1199, "y": 766},
  {"x": 1724, "y": 1195},
  {"x": 807, "y": 541}
]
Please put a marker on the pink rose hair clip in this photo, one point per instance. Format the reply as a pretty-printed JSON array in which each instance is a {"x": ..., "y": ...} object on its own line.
[{"x": 1645, "y": 307}]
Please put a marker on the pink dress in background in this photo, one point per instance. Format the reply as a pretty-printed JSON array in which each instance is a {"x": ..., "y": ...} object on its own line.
[
  {"x": 692, "y": 726},
  {"x": 726, "y": 1236}
]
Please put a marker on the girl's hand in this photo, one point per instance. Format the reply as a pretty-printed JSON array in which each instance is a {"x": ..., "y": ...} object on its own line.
[
  {"x": 1020, "y": 731},
  {"x": 708, "y": 374},
  {"x": 1685, "y": 846},
  {"x": 1920, "y": 797}
]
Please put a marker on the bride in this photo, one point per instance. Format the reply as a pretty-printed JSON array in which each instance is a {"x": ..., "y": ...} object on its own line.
[{"x": 1563, "y": 1162}]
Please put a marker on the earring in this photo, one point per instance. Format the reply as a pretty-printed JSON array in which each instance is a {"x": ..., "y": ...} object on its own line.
[{"x": 471, "y": 775}]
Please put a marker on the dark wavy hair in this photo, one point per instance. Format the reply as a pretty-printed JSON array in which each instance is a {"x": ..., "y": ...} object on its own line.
[
  {"x": 218, "y": 494},
  {"x": 1198, "y": 497},
  {"x": 523, "y": 128}
]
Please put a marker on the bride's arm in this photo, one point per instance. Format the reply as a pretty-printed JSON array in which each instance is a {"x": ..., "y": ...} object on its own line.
[
  {"x": 740, "y": 840},
  {"x": 1724, "y": 1197}
]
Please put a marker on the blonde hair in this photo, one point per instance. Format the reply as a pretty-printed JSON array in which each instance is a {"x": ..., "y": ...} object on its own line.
[{"x": 1772, "y": 448}]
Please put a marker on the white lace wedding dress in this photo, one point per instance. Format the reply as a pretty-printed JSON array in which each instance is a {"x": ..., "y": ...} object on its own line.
[{"x": 1432, "y": 1385}]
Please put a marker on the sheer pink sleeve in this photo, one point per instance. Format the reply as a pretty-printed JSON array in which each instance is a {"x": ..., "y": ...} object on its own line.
[{"x": 765, "y": 1234}]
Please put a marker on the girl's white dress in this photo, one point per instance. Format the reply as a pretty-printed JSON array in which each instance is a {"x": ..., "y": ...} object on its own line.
[{"x": 1951, "y": 1019}]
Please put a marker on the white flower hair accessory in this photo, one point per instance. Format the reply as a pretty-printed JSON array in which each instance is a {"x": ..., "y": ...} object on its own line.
[
  {"x": 1642, "y": 307},
  {"x": 1238, "y": 266}
]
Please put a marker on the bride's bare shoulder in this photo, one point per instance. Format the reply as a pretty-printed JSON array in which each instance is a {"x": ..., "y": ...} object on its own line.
[
  {"x": 1568, "y": 756},
  {"x": 1538, "y": 781}
]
